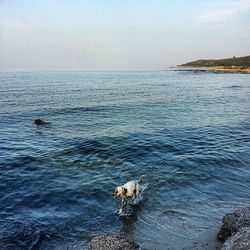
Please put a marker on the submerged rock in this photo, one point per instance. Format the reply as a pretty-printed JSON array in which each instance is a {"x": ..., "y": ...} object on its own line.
[
  {"x": 233, "y": 222},
  {"x": 40, "y": 122},
  {"x": 239, "y": 241},
  {"x": 111, "y": 242}
]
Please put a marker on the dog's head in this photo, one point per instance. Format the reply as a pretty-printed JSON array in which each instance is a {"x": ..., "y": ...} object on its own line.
[{"x": 119, "y": 192}]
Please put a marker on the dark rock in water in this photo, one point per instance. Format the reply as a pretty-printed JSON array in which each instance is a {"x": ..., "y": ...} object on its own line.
[
  {"x": 111, "y": 242},
  {"x": 40, "y": 122},
  {"x": 233, "y": 222},
  {"x": 239, "y": 241}
]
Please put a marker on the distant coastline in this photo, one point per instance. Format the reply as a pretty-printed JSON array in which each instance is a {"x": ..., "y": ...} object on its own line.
[{"x": 229, "y": 65}]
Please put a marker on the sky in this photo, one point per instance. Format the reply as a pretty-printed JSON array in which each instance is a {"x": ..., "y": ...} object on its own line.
[{"x": 120, "y": 34}]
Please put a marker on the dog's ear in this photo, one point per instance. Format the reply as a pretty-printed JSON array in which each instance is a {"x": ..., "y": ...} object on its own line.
[{"x": 125, "y": 190}]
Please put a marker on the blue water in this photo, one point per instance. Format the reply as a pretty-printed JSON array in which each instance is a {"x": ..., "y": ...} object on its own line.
[{"x": 188, "y": 132}]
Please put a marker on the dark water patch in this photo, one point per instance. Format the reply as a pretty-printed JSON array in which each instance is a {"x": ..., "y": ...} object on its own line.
[
  {"x": 131, "y": 148},
  {"x": 90, "y": 147},
  {"x": 174, "y": 212},
  {"x": 17, "y": 235}
]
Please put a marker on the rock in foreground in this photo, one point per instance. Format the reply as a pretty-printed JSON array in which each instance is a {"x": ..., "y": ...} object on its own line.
[
  {"x": 111, "y": 242},
  {"x": 233, "y": 222},
  {"x": 239, "y": 241}
]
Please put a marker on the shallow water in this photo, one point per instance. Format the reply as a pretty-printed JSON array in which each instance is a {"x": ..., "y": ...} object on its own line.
[{"x": 188, "y": 132}]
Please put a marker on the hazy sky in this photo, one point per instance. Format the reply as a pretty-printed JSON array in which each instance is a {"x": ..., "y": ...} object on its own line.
[{"x": 120, "y": 34}]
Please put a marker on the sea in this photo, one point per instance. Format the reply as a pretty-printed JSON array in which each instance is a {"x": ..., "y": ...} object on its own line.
[{"x": 187, "y": 132}]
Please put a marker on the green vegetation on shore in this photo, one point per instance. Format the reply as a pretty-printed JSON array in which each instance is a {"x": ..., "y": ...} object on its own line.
[
  {"x": 229, "y": 65},
  {"x": 242, "y": 62}
]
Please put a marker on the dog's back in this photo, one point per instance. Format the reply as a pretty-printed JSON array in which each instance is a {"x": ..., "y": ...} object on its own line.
[{"x": 131, "y": 187}]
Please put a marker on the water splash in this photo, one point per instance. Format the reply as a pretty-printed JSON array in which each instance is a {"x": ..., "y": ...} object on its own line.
[{"x": 128, "y": 208}]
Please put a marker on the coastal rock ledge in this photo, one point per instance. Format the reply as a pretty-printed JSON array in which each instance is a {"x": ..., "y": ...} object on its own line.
[
  {"x": 239, "y": 241},
  {"x": 111, "y": 242},
  {"x": 235, "y": 230}
]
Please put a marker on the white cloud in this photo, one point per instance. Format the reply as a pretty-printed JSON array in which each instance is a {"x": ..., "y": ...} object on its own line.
[
  {"x": 227, "y": 12},
  {"x": 13, "y": 24}
]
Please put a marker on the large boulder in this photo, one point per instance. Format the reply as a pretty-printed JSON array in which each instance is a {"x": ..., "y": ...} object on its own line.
[
  {"x": 111, "y": 242},
  {"x": 239, "y": 241},
  {"x": 233, "y": 222}
]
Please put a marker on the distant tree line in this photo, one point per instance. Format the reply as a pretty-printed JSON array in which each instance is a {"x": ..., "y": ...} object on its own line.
[{"x": 243, "y": 62}]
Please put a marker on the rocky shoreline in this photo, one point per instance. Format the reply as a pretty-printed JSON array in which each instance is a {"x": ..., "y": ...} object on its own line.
[
  {"x": 215, "y": 69},
  {"x": 111, "y": 242},
  {"x": 235, "y": 230},
  {"x": 234, "y": 233}
]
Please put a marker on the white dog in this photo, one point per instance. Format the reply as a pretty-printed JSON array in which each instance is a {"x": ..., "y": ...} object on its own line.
[{"x": 129, "y": 190}]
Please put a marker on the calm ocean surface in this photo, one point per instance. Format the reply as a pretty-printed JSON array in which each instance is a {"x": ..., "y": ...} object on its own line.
[{"x": 188, "y": 132}]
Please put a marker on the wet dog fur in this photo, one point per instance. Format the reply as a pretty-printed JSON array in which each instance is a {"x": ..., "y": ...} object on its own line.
[{"x": 129, "y": 190}]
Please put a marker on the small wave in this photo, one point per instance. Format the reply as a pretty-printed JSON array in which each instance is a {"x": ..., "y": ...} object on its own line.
[
  {"x": 88, "y": 147},
  {"x": 235, "y": 87},
  {"x": 73, "y": 110}
]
